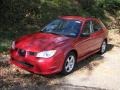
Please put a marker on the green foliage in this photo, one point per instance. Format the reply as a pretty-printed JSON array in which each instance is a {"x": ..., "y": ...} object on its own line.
[
  {"x": 19, "y": 17},
  {"x": 112, "y": 6},
  {"x": 21, "y": 13}
]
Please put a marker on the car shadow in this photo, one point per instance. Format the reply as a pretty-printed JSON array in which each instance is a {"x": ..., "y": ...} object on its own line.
[
  {"x": 109, "y": 47},
  {"x": 92, "y": 61}
]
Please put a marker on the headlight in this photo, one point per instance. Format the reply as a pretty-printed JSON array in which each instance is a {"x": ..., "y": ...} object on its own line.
[
  {"x": 13, "y": 45},
  {"x": 46, "y": 54}
]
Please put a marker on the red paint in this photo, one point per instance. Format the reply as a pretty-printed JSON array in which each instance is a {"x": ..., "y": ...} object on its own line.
[{"x": 84, "y": 46}]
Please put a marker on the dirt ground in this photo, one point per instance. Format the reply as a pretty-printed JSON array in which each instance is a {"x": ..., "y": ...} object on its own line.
[{"x": 98, "y": 72}]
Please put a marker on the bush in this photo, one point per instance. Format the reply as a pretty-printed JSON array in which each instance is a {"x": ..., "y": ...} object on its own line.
[{"x": 19, "y": 17}]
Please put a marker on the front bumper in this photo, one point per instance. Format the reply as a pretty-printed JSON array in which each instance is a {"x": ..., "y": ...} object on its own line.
[{"x": 38, "y": 65}]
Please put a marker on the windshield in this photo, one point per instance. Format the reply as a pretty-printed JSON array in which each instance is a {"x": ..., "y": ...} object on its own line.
[{"x": 63, "y": 27}]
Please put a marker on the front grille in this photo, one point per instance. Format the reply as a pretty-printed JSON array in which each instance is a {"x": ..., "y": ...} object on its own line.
[
  {"x": 25, "y": 64},
  {"x": 22, "y": 52},
  {"x": 32, "y": 53}
]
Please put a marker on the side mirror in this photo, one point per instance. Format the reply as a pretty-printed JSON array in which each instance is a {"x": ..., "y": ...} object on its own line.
[{"x": 85, "y": 35}]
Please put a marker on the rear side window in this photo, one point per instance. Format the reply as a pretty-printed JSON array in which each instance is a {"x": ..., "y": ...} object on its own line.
[{"x": 96, "y": 26}]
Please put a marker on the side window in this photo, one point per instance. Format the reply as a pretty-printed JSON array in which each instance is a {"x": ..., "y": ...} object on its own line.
[
  {"x": 86, "y": 28},
  {"x": 96, "y": 26}
]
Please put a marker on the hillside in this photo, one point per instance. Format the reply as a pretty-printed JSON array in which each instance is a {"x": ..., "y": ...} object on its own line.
[{"x": 19, "y": 17}]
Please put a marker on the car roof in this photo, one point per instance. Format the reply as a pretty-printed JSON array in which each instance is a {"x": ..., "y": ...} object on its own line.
[{"x": 80, "y": 18}]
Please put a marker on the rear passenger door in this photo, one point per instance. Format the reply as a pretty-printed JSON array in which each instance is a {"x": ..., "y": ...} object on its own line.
[
  {"x": 96, "y": 35},
  {"x": 84, "y": 43}
]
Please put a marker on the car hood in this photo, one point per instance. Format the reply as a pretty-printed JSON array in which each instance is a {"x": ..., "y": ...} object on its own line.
[{"x": 41, "y": 41}]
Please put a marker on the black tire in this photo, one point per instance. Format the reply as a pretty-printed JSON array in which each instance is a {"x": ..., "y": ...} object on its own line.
[
  {"x": 64, "y": 70},
  {"x": 103, "y": 47}
]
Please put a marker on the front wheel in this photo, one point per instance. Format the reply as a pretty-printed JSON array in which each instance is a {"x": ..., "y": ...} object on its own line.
[
  {"x": 69, "y": 63},
  {"x": 103, "y": 47}
]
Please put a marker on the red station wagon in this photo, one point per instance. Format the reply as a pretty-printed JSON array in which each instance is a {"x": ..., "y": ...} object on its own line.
[{"x": 60, "y": 45}]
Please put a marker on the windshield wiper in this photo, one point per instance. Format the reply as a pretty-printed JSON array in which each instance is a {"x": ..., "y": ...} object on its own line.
[
  {"x": 54, "y": 33},
  {"x": 41, "y": 31},
  {"x": 51, "y": 33}
]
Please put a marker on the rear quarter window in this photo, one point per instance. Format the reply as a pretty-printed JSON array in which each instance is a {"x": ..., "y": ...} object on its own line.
[{"x": 102, "y": 25}]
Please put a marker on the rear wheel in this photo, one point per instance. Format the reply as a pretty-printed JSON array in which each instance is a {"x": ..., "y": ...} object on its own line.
[
  {"x": 69, "y": 63},
  {"x": 103, "y": 47}
]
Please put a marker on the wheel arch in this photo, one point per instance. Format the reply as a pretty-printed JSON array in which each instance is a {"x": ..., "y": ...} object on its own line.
[
  {"x": 75, "y": 52},
  {"x": 106, "y": 40},
  {"x": 68, "y": 53}
]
